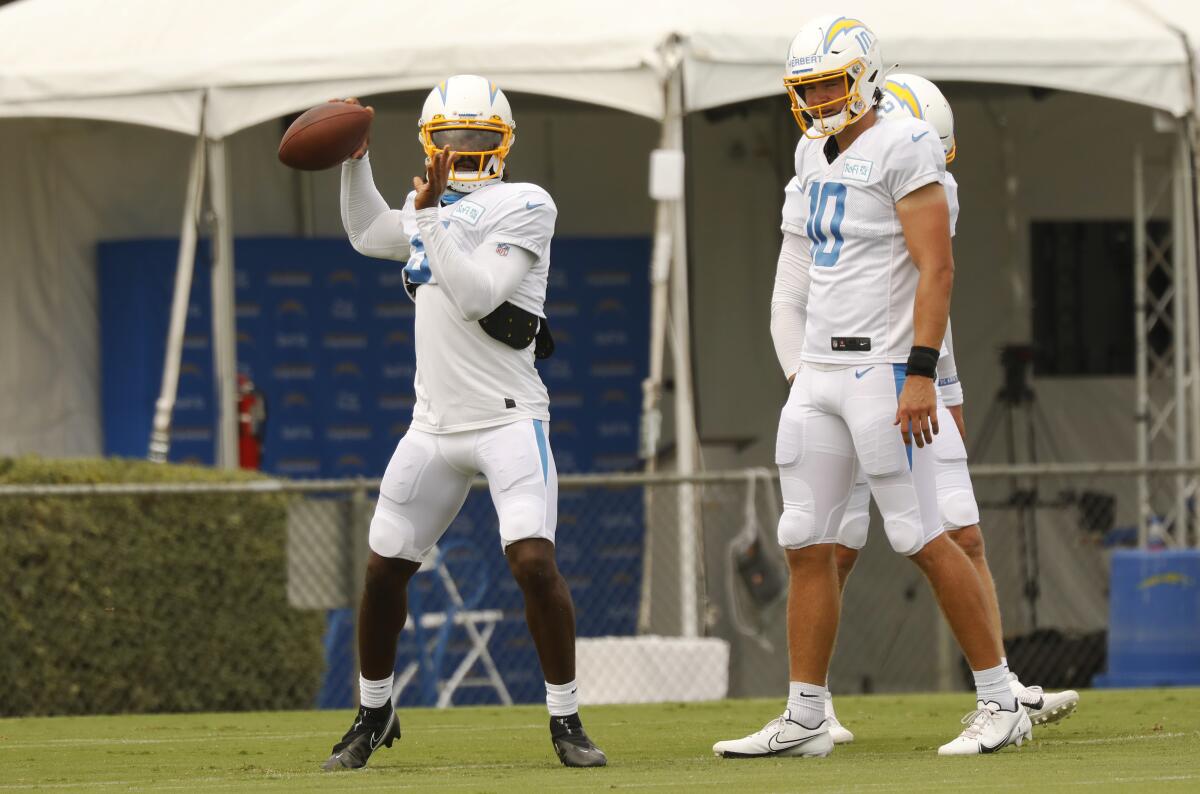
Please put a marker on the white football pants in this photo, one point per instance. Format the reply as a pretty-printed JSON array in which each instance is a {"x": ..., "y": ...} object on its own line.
[
  {"x": 429, "y": 475},
  {"x": 837, "y": 423}
]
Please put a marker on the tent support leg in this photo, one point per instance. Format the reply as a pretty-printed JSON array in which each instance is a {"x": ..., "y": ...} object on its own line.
[
  {"x": 1187, "y": 240},
  {"x": 224, "y": 334},
  {"x": 1141, "y": 363},
  {"x": 160, "y": 434},
  {"x": 686, "y": 436}
]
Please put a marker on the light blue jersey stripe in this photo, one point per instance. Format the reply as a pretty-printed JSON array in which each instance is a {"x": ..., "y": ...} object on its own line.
[
  {"x": 899, "y": 372},
  {"x": 540, "y": 433}
]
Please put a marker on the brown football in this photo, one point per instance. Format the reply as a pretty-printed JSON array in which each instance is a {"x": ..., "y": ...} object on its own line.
[{"x": 324, "y": 136}]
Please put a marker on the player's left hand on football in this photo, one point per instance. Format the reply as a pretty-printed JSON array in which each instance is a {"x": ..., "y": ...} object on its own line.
[
  {"x": 437, "y": 174},
  {"x": 917, "y": 411}
]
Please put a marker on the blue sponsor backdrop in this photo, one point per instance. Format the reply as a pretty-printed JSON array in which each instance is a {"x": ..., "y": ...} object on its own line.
[{"x": 326, "y": 335}]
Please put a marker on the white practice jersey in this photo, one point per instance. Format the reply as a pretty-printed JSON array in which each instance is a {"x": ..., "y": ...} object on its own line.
[
  {"x": 951, "y": 185},
  {"x": 863, "y": 279},
  {"x": 466, "y": 379}
]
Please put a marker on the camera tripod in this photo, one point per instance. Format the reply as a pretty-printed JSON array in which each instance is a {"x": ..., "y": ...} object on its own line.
[{"x": 1016, "y": 401}]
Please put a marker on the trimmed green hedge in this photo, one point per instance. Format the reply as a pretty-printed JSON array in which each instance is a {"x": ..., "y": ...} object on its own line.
[{"x": 171, "y": 602}]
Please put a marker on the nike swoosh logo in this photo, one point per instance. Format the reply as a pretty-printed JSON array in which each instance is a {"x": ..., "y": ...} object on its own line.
[
  {"x": 775, "y": 745},
  {"x": 857, "y": 374},
  {"x": 983, "y": 748},
  {"x": 529, "y": 205},
  {"x": 919, "y": 137},
  {"x": 377, "y": 739}
]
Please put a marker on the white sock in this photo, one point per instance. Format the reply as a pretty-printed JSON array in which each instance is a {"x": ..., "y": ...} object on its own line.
[
  {"x": 562, "y": 699},
  {"x": 806, "y": 702},
  {"x": 1009, "y": 671},
  {"x": 991, "y": 685},
  {"x": 374, "y": 694}
]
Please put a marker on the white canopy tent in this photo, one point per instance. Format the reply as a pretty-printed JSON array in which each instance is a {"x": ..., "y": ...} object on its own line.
[
  {"x": 1141, "y": 52},
  {"x": 210, "y": 70},
  {"x": 226, "y": 65},
  {"x": 1108, "y": 48}
]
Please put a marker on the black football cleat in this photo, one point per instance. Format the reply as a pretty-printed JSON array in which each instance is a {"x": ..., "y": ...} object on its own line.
[
  {"x": 372, "y": 729},
  {"x": 573, "y": 746}
]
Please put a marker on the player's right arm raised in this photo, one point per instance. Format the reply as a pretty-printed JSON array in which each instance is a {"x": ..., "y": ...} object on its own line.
[{"x": 374, "y": 228}]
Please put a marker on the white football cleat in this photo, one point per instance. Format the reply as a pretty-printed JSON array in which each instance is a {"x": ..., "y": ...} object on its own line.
[
  {"x": 781, "y": 736},
  {"x": 837, "y": 731},
  {"x": 1044, "y": 707},
  {"x": 988, "y": 730}
]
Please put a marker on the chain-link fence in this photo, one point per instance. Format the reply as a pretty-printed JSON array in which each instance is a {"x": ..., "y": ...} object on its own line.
[
  {"x": 1050, "y": 532},
  {"x": 650, "y": 626}
]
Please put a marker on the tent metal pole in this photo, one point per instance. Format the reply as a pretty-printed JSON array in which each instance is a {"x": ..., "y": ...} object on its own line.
[
  {"x": 686, "y": 441},
  {"x": 224, "y": 336},
  {"x": 1142, "y": 413},
  {"x": 1181, "y": 280},
  {"x": 652, "y": 386},
  {"x": 160, "y": 434},
  {"x": 1187, "y": 239},
  {"x": 660, "y": 280}
]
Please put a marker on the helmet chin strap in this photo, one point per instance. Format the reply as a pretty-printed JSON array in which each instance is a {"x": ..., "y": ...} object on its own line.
[
  {"x": 492, "y": 172},
  {"x": 451, "y": 196},
  {"x": 828, "y": 125}
]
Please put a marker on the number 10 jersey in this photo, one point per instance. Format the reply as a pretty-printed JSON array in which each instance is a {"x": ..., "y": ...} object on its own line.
[{"x": 864, "y": 282}]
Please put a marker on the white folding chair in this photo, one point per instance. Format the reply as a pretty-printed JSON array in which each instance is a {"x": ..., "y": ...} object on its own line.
[{"x": 478, "y": 625}]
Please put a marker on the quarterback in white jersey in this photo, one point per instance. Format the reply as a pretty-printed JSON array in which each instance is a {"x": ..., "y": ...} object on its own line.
[
  {"x": 907, "y": 96},
  {"x": 477, "y": 258},
  {"x": 860, "y": 307}
]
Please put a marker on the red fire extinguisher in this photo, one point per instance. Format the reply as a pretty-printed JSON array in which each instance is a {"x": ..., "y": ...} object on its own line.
[{"x": 252, "y": 423}]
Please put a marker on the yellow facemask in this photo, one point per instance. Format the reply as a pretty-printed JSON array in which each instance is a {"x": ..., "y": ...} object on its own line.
[
  {"x": 833, "y": 116},
  {"x": 480, "y": 159}
]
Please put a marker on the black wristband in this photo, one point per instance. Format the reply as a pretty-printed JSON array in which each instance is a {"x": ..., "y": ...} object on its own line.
[{"x": 922, "y": 361}]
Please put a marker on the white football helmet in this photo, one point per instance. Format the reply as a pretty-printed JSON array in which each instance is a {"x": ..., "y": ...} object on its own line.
[
  {"x": 471, "y": 115},
  {"x": 913, "y": 95},
  {"x": 829, "y": 48}
]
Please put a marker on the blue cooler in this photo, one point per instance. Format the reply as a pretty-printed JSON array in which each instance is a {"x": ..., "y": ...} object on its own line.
[{"x": 1154, "y": 619}]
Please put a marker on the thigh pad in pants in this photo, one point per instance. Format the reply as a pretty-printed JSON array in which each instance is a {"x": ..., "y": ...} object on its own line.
[
  {"x": 519, "y": 467},
  {"x": 857, "y": 518},
  {"x": 420, "y": 495},
  {"x": 955, "y": 494},
  {"x": 815, "y": 456}
]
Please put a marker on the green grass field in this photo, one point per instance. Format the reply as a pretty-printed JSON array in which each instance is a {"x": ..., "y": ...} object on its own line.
[{"x": 1118, "y": 740}]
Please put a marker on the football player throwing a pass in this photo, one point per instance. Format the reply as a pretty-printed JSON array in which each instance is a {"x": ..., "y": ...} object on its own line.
[{"x": 477, "y": 252}]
